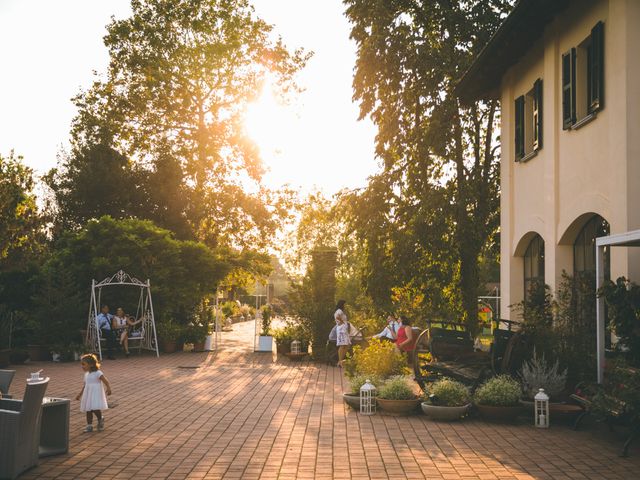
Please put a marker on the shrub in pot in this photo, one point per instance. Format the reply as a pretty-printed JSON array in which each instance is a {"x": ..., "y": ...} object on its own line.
[
  {"x": 196, "y": 334},
  {"x": 379, "y": 359},
  {"x": 352, "y": 398},
  {"x": 397, "y": 397},
  {"x": 169, "y": 333},
  {"x": 537, "y": 373},
  {"x": 446, "y": 400},
  {"x": 499, "y": 398}
]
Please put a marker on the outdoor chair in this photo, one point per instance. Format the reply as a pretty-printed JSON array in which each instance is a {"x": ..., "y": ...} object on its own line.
[
  {"x": 20, "y": 430},
  {"x": 5, "y": 381}
]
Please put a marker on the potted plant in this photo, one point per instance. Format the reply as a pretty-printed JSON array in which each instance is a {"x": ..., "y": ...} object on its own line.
[
  {"x": 397, "y": 397},
  {"x": 168, "y": 333},
  {"x": 196, "y": 334},
  {"x": 499, "y": 398},
  {"x": 352, "y": 398},
  {"x": 447, "y": 400},
  {"x": 265, "y": 341}
]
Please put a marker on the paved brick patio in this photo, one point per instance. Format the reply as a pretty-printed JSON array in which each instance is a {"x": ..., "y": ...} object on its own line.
[{"x": 237, "y": 414}]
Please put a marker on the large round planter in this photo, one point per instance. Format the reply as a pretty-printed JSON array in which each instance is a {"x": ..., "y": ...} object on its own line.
[
  {"x": 169, "y": 346},
  {"x": 499, "y": 414},
  {"x": 398, "y": 407},
  {"x": 352, "y": 399},
  {"x": 38, "y": 353},
  {"x": 296, "y": 356},
  {"x": 442, "y": 413},
  {"x": 559, "y": 411}
]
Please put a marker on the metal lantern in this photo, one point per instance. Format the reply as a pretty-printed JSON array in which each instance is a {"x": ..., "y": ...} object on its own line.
[
  {"x": 368, "y": 394},
  {"x": 296, "y": 347},
  {"x": 541, "y": 402}
]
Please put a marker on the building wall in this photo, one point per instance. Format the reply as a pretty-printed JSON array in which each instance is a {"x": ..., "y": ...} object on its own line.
[{"x": 594, "y": 169}]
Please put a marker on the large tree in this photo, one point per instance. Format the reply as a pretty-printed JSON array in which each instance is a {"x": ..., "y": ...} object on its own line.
[
  {"x": 180, "y": 76},
  {"x": 438, "y": 193}
]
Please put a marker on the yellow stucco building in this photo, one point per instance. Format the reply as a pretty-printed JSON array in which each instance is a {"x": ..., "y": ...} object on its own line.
[{"x": 567, "y": 74}]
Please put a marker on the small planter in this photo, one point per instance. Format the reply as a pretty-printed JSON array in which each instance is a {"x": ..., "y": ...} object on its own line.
[
  {"x": 398, "y": 407},
  {"x": 499, "y": 414},
  {"x": 265, "y": 343},
  {"x": 198, "y": 346},
  {"x": 352, "y": 399},
  {"x": 443, "y": 413}
]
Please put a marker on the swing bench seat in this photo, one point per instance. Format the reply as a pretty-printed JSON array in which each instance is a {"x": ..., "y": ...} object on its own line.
[{"x": 137, "y": 338}]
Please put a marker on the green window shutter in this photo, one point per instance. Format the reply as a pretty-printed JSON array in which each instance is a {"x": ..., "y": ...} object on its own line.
[
  {"x": 596, "y": 68},
  {"x": 537, "y": 114},
  {"x": 569, "y": 89},
  {"x": 519, "y": 124}
]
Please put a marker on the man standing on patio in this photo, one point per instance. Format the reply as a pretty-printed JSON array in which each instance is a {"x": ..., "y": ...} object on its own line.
[{"x": 106, "y": 331}]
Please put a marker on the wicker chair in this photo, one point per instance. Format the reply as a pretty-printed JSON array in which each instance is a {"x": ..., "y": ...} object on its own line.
[
  {"x": 20, "y": 430},
  {"x": 5, "y": 381}
]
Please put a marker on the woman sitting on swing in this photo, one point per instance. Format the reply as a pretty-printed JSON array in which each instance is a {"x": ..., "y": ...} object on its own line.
[{"x": 121, "y": 324}]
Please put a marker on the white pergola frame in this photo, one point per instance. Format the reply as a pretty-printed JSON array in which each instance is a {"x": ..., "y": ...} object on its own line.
[
  {"x": 627, "y": 239},
  {"x": 149, "y": 341}
]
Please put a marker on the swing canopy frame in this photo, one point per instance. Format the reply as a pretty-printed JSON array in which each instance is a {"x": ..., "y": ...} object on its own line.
[{"x": 148, "y": 337}]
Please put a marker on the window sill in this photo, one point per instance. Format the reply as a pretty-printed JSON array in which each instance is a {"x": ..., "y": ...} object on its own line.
[
  {"x": 583, "y": 121},
  {"x": 527, "y": 157}
]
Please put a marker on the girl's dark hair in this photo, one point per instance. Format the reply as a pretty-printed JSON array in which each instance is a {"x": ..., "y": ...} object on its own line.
[
  {"x": 91, "y": 360},
  {"x": 405, "y": 320},
  {"x": 340, "y": 305}
]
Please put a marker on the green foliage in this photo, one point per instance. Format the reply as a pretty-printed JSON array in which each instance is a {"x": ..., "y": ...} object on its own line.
[
  {"x": 21, "y": 225},
  {"x": 379, "y": 359},
  {"x": 168, "y": 330},
  {"x": 449, "y": 393},
  {"x": 537, "y": 373},
  {"x": 357, "y": 381},
  {"x": 500, "y": 391},
  {"x": 230, "y": 309},
  {"x": 195, "y": 333},
  {"x": 181, "y": 272},
  {"x": 396, "y": 388},
  {"x": 266, "y": 319},
  {"x": 292, "y": 330},
  {"x": 623, "y": 301},
  {"x": 432, "y": 213}
]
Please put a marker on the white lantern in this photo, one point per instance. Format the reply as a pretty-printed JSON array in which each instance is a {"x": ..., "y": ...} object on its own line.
[
  {"x": 541, "y": 402},
  {"x": 368, "y": 394},
  {"x": 296, "y": 347}
]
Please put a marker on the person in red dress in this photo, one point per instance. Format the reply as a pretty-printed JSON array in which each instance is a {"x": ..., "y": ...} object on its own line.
[{"x": 405, "y": 339}]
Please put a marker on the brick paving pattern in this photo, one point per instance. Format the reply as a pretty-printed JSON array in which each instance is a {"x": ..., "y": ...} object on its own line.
[{"x": 236, "y": 414}]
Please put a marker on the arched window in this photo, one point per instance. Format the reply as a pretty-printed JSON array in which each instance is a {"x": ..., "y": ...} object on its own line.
[
  {"x": 584, "y": 272},
  {"x": 584, "y": 249},
  {"x": 533, "y": 265}
]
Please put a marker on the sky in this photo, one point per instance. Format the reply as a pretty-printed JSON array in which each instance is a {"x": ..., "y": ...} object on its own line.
[{"x": 49, "y": 49}]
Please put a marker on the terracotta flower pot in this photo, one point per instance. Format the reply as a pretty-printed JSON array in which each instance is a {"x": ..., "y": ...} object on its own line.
[
  {"x": 169, "y": 346},
  {"x": 444, "y": 413},
  {"x": 398, "y": 407},
  {"x": 198, "y": 346},
  {"x": 352, "y": 399},
  {"x": 499, "y": 414}
]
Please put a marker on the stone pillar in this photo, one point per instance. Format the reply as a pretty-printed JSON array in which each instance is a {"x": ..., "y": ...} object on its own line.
[{"x": 322, "y": 273}]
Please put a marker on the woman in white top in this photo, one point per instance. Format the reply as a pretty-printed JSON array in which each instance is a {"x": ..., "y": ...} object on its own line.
[{"x": 343, "y": 340}]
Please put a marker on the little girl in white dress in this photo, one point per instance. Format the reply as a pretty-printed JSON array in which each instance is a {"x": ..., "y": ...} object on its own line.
[{"x": 92, "y": 397}]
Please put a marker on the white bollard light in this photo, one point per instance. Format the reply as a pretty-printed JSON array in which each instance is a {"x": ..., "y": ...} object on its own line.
[
  {"x": 541, "y": 402},
  {"x": 368, "y": 395}
]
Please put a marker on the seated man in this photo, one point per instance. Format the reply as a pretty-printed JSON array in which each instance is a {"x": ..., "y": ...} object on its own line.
[
  {"x": 103, "y": 320},
  {"x": 390, "y": 332}
]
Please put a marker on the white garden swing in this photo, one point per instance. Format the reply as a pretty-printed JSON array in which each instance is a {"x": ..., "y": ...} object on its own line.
[{"x": 147, "y": 333}]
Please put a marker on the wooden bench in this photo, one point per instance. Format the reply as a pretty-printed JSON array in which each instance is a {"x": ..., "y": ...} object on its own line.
[{"x": 445, "y": 349}]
